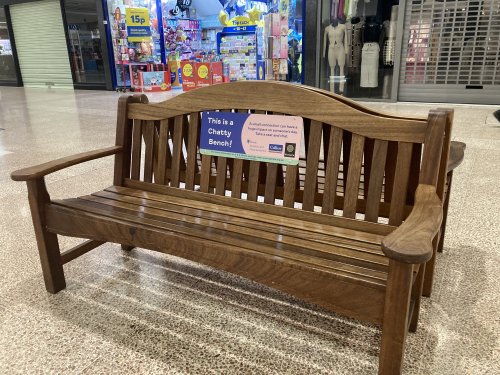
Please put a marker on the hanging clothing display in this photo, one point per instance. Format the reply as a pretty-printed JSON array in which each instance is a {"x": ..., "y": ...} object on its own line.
[
  {"x": 341, "y": 14},
  {"x": 334, "y": 10},
  {"x": 389, "y": 42},
  {"x": 355, "y": 44},
  {"x": 369, "y": 65}
]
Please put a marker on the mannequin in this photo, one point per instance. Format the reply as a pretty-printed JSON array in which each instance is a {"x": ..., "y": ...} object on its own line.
[
  {"x": 370, "y": 53},
  {"x": 336, "y": 40}
]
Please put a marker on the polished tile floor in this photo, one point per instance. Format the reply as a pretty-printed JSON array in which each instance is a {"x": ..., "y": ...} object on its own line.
[{"x": 147, "y": 313}]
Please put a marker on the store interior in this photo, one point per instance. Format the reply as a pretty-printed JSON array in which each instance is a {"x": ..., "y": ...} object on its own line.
[
  {"x": 359, "y": 47},
  {"x": 205, "y": 31}
]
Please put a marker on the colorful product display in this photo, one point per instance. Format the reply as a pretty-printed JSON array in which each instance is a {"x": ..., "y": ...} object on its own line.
[
  {"x": 232, "y": 32},
  {"x": 239, "y": 52},
  {"x": 276, "y": 46},
  {"x": 155, "y": 81},
  {"x": 200, "y": 74}
]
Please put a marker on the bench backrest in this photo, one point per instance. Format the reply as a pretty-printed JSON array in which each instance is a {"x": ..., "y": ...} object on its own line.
[{"x": 355, "y": 162}]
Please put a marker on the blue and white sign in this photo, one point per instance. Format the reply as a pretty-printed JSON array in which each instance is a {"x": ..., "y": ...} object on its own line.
[{"x": 267, "y": 138}]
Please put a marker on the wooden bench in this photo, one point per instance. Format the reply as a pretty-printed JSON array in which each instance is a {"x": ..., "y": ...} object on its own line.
[
  {"x": 359, "y": 255},
  {"x": 452, "y": 160}
]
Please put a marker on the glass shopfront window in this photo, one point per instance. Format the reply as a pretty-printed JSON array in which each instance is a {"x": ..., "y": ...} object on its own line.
[
  {"x": 205, "y": 31},
  {"x": 141, "y": 18},
  {"x": 85, "y": 46},
  {"x": 7, "y": 63},
  {"x": 359, "y": 47}
]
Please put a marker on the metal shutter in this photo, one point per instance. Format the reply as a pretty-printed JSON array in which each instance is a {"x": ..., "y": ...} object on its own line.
[
  {"x": 451, "y": 52},
  {"x": 41, "y": 44}
]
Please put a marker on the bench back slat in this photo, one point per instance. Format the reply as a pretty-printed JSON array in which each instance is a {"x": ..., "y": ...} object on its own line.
[
  {"x": 270, "y": 187},
  {"x": 163, "y": 151},
  {"x": 400, "y": 185},
  {"x": 192, "y": 150},
  {"x": 376, "y": 180},
  {"x": 177, "y": 151},
  {"x": 352, "y": 162},
  {"x": 311, "y": 179},
  {"x": 353, "y": 176},
  {"x": 149, "y": 139},
  {"x": 206, "y": 171},
  {"x": 136, "y": 150},
  {"x": 220, "y": 187},
  {"x": 332, "y": 153}
]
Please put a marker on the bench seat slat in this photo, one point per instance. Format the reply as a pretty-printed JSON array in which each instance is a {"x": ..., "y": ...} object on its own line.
[
  {"x": 230, "y": 228},
  {"x": 184, "y": 207},
  {"x": 210, "y": 232}
]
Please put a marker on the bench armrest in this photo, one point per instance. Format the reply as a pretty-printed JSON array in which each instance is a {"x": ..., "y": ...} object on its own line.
[
  {"x": 411, "y": 242},
  {"x": 456, "y": 156},
  {"x": 41, "y": 170}
]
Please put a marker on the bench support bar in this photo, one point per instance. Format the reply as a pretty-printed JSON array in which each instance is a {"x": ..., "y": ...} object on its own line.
[{"x": 79, "y": 250}]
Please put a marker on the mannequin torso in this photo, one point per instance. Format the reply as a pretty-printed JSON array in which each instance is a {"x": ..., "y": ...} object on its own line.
[{"x": 336, "y": 37}]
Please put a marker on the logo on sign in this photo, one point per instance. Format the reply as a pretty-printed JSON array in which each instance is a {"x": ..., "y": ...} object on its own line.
[
  {"x": 290, "y": 150},
  {"x": 203, "y": 71},
  {"x": 276, "y": 148},
  {"x": 187, "y": 70}
]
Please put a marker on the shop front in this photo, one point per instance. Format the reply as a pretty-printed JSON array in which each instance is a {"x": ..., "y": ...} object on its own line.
[
  {"x": 360, "y": 48},
  {"x": 54, "y": 43},
  {"x": 199, "y": 42}
]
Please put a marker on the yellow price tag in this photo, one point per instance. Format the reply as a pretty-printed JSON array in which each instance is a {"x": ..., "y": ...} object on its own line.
[
  {"x": 138, "y": 24},
  {"x": 203, "y": 71},
  {"x": 187, "y": 70}
]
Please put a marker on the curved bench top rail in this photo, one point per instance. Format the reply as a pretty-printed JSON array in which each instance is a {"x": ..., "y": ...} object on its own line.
[
  {"x": 288, "y": 99},
  {"x": 359, "y": 106}
]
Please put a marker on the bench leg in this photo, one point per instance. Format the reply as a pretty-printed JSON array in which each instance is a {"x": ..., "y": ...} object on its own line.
[
  {"x": 445, "y": 213},
  {"x": 429, "y": 271},
  {"x": 395, "y": 324},
  {"x": 416, "y": 295},
  {"x": 127, "y": 247},
  {"x": 48, "y": 245}
]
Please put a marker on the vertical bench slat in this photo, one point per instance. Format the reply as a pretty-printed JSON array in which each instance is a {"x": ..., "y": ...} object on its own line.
[
  {"x": 148, "y": 135},
  {"x": 206, "y": 171},
  {"x": 270, "y": 190},
  {"x": 192, "y": 149},
  {"x": 162, "y": 153},
  {"x": 332, "y": 158},
  {"x": 390, "y": 170},
  {"x": 253, "y": 180},
  {"x": 374, "y": 194},
  {"x": 398, "y": 200},
  {"x": 156, "y": 138},
  {"x": 353, "y": 176},
  {"x": 220, "y": 181},
  {"x": 135, "y": 173},
  {"x": 292, "y": 172},
  {"x": 367, "y": 165},
  {"x": 312, "y": 161},
  {"x": 177, "y": 151},
  {"x": 236, "y": 178},
  {"x": 416, "y": 159}
]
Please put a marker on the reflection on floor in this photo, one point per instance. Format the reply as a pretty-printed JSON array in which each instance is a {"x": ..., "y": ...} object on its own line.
[{"x": 143, "y": 312}]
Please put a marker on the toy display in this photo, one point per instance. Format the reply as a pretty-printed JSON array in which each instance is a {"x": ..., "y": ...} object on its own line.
[{"x": 155, "y": 81}]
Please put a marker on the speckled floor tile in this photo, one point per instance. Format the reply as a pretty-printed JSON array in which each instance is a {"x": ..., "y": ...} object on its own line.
[{"x": 142, "y": 312}]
